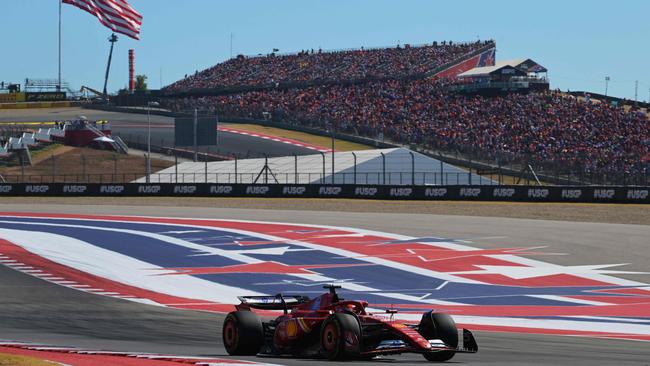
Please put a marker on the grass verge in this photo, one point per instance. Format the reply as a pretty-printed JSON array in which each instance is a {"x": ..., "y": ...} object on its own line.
[
  {"x": 322, "y": 141},
  {"x": 13, "y": 360}
]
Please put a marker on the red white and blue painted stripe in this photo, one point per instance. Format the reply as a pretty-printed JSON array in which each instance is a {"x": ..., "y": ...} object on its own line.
[{"x": 205, "y": 264}]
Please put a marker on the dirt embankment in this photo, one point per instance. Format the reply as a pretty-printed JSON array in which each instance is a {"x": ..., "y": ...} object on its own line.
[{"x": 74, "y": 164}]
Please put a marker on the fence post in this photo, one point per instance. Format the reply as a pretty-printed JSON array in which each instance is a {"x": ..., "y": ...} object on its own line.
[
  {"x": 295, "y": 168},
  {"x": 383, "y": 168},
  {"x": 441, "y": 169},
  {"x": 114, "y": 168},
  {"x": 22, "y": 168},
  {"x": 146, "y": 171},
  {"x": 412, "y": 168},
  {"x": 53, "y": 166},
  {"x": 323, "y": 156},
  {"x": 500, "y": 172},
  {"x": 206, "y": 165},
  {"x": 175, "y": 165},
  {"x": 355, "y": 167},
  {"x": 83, "y": 168}
]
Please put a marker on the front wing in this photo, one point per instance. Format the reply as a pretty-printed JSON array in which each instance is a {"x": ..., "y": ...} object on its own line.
[{"x": 469, "y": 346}]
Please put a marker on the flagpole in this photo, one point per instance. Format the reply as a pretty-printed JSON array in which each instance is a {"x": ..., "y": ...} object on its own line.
[{"x": 60, "y": 6}]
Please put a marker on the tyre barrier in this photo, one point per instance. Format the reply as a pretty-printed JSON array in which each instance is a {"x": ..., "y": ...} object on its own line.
[{"x": 587, "y": 194}]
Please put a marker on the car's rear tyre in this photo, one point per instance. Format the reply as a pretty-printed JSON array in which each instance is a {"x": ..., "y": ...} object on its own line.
[
  {"x": 243, "y": 334},
  {"x": 340, "y": 337},
  {"x": 439, "y": 326}
]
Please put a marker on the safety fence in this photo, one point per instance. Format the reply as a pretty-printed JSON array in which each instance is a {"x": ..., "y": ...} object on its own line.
[
  {"x": 519, "y": 166},
  {"x": 267, "y": 177},
  {"x": 465, "y": 193}
]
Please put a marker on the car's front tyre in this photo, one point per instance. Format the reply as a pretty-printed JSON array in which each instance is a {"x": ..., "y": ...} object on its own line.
[
  {"x": 340, "y": 337},
  {"x": 439, "y": 326}
]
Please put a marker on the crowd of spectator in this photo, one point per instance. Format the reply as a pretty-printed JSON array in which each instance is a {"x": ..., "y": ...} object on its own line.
[
  {"x": 315, "y": 66},
  {"x": 550, "y": 126}
]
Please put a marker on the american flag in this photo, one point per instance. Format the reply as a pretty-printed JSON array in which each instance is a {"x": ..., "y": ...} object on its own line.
[{"x": 117, "y": 15}]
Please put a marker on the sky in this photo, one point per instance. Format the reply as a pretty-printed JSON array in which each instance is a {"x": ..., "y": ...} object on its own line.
[{"x": 579, "y": 41}]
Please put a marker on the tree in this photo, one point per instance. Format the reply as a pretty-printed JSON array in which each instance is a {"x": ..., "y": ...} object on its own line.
[{"x": 141, "y": 82}]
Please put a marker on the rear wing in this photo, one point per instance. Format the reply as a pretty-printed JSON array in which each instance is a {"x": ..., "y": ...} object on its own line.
[{"x": 277, "y": 302}]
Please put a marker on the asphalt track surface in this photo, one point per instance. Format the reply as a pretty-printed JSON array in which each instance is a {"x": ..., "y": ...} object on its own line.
[
  {"x": 37, "y": 311},
  {"x": 133, "y": 127}
]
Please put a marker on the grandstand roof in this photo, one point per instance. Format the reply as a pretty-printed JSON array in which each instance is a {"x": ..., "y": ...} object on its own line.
[
  {"x": 489, "y": 70},
  {"x": 369, "y": 169},
  {"x": 525, "y": 64}
]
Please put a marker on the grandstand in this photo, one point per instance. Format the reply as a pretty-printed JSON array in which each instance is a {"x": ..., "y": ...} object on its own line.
[
  {"x": 556, "y": 133},
  {"x": 320, "y": 67}
]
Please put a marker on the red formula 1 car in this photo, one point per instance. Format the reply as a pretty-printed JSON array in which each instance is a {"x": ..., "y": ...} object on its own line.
[{"x": 333, "y": 328}]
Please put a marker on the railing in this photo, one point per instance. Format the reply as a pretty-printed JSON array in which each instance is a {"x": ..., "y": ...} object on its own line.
[
  {"x": 367, "y": 178},
  {"x": 44, "y": 84},
  {"x": 119, "y": 143},
  {"x": 502, "y": 85},
  {"x": 353, "y": 49}
]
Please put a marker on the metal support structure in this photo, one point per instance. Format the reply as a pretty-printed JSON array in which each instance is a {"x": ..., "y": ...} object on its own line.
[
  {"x": 500, "y": 171},
  {"x": 149, "y": 105},
  {"x": 355, "y": 167},
  {"x": 196, "y": 124},
  {"x": 412, "y": 168},
  {"x": 112, "y": 39},
  {"x": 175, "y": 165},
  {"x": 60, "y": 40},
  {"x": 235, "y": 171},
  {"x": 323, "y": 156},
  {"x": 148, "y": 168},
  {"x": 383, "y": 168},
  {"x": 441, "y": 170},
  {"x": 22, "y": 167},
  {"x": 535, "y": 175},
  {"x": 83, "y": 166},
  {"x": 333, "y": 171},
  {"x": 295, "y": 168},
  {"x": 216, "y": 142},
  {"x": 206, "y": 165},
  {"x": 266, "y": 170},
  {"x": 114, "y": 167}
]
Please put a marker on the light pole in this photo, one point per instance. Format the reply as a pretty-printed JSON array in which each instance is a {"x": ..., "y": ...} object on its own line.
[
  {"x": 149, "y": 105},
  {"x": 606, "y": 84}
]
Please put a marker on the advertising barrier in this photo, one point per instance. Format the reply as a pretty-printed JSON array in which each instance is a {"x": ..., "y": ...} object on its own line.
[
  {"x": 12, "y": 97},
  {"x": 425, "y": 193},
  {"x": 45, "y": 97}
]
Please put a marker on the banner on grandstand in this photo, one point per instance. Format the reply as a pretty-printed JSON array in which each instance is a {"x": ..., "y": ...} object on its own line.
[{"x": 117, "y": 15}]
